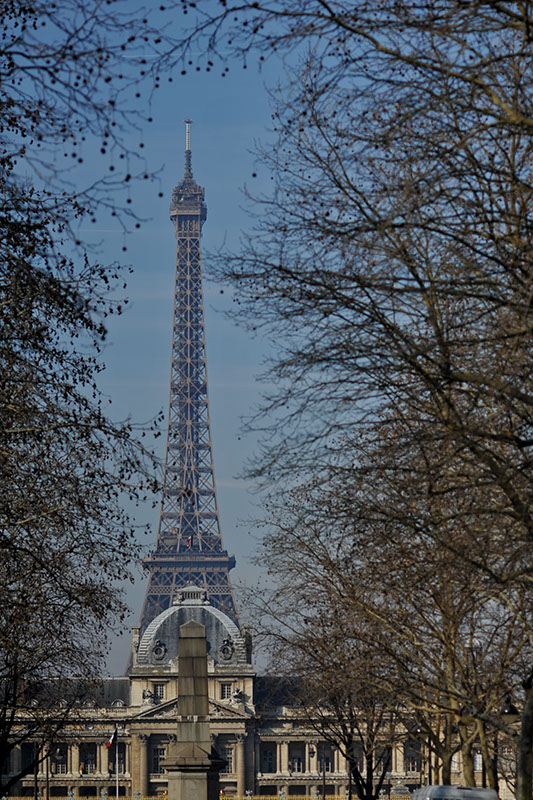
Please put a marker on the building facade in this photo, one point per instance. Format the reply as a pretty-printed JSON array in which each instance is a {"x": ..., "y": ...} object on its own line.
[{"x": 267, "y": 747}]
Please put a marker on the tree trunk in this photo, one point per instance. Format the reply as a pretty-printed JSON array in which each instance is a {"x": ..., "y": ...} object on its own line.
[
  {"x": 446, "y": 752},
  {"x": 488, "y": 761},
  {"x": 356, "y": 778},
  {"x": 447, "y": 769},
  {"x": 469, "y": 778},
  {"x": 525, "y": 746},
  {"x": 369, "y": 775}
]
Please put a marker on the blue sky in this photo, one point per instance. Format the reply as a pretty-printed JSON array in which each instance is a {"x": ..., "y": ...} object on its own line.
[{"x": 228, "y": 115}]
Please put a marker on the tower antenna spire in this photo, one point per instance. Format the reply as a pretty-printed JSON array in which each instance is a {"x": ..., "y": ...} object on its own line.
[{"x": 188, "y": 167}]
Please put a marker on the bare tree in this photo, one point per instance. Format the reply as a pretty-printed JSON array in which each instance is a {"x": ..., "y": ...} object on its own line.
[
  {"x": 336, "y": 678},
  {"x": 67, "y": 469},
  {"x": 391, "y": 263},
  {"x": 434, "y": 647}
]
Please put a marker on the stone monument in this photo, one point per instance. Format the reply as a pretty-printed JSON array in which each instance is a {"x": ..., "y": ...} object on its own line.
[{"x": 192, "y": 764}]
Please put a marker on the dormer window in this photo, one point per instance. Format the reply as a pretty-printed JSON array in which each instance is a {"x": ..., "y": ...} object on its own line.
[
  {"x": 158, "y": 690},
  {"x": 226, "y": 691}
]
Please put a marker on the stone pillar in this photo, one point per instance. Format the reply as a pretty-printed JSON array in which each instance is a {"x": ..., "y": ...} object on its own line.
[
  {"x": 307, "y": 756},
  {"x": 249, "y": 756},
  {"x": 241, "y": 766},
  {"x": 16, "y": 760},
  {"x": 313, "y": 759},
  {"x": 342, "y": 763},
  {"x": 191, "y": 766},
  {"x": 101, "y": 755},
  {"x": 73, "y": 764},
  {"x": 127, "y": 758},
  {"x": 75, "y": 759},
  {"x": 397, "y": 758},
  {"x": 284, "y": 757},
  {"x": 144, "y": 777},
  {"x": 135, "y": 762}
]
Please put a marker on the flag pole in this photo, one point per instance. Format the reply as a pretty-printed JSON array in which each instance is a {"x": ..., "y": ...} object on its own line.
[{"x": 116, "y": 759}]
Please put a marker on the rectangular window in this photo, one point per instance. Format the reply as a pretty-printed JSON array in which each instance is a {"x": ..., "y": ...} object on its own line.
[
  {"x": 357, "y": 754},
  {"x": 29, "y": 752},
  {"x": 121, "y": 759},
  {"x": 158, "y": 754},
  {"x": 325, "y": 757},
  {"x": 227, "y": 754},
  {"x": 226, "y": 691},
  {"x": 384, "y": 759},
  {"x": 296, "y": 757},
  {"x": 159, "y": 692},
  {"x": 58, "y": 760},
  {"x": 507, "y": 759},
  {"x": 478, "y": 761},
  {"x": 269, "y": 760},
  {"x": 88, "y": 758},
  {"x": 411, "y": 756}
]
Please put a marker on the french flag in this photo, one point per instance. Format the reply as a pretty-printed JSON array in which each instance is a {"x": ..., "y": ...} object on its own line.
[{"x": 112, "y": 739}]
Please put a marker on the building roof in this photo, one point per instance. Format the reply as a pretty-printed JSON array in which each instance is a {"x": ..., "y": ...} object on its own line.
[{"x": 159, "y": 643}]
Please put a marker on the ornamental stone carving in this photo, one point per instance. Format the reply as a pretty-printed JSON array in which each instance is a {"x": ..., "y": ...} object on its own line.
[{"x": 227, "y": 649}]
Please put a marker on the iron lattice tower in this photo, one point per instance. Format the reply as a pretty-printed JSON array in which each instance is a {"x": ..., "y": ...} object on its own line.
[{"x": 189, "y": 544}]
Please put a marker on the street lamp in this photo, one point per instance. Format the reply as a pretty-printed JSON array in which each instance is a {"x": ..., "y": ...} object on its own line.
[
  {"x": 36, "y": 755},
  {"x": 59, "y": 758},
  {"x": 508, "y": 714},
  {"x": 312, "y": 753}
]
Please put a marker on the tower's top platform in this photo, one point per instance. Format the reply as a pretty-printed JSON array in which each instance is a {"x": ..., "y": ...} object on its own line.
[{"x": 188, "y": 196}]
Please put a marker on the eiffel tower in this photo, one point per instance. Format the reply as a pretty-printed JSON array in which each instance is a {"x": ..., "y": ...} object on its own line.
[{"x": 189, "y": 544}]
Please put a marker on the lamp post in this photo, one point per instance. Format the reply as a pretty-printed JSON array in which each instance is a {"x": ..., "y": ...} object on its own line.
[
  {"x": 36, "y": 754},
  {"x": 312, "y": 753},
  {"x": 508, "y": 714},
  {"x": 58, "y": 757}
]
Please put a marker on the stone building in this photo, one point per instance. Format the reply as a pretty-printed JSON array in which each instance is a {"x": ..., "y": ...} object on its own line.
[
  {"x": 268, "y": 747},
  {"x": 254, "y": 728}
]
